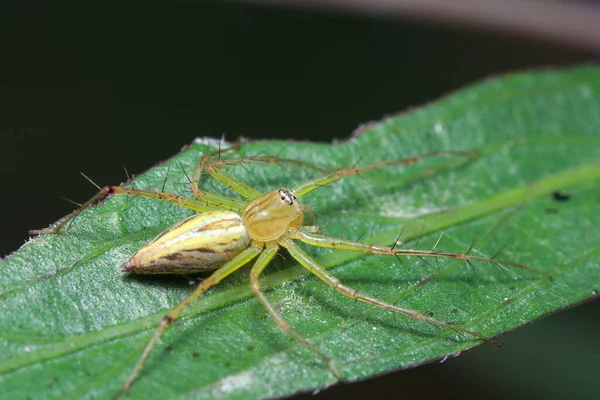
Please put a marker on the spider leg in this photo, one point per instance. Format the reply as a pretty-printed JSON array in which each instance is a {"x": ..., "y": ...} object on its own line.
[
  {"x": 207, "y": 202},
  {"x": 342, "y": 244},
  {"x": 312, "y": 184},
  {"x": 311, "y": 228},
  {"x": 257, "y": 269},
  {"x": 214, "y": 169},
  {"x": 332, "y": 281},
  {"x": 239, "y": 261}
]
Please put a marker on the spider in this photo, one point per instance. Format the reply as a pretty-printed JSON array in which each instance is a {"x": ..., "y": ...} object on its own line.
[{"x": 228, "y": 233}]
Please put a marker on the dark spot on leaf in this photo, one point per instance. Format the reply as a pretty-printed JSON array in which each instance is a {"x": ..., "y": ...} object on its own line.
[
  {"x": 195, "y": 355},
  {"x": 168, "y": 349},
  {"x": 560, "y": 196},
  {"x": 551, "y": 211},
  {"x": 53, "y": 381},
  {"x": 227, "y": 364},
  {"x": 424, "y": 281},
  {"x": 250, "y": 348}
]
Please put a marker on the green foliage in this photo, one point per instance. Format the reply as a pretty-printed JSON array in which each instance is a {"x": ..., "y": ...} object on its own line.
[{"x": 72, "y": 325}]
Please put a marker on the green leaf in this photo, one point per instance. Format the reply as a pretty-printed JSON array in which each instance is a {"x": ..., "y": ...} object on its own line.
[{"x": 73, "y": 325}]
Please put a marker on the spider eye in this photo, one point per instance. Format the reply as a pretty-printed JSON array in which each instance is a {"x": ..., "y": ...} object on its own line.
[{"x": 287, "y": 196}]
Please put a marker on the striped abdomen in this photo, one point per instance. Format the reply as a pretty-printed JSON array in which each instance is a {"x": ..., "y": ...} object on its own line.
[{"x": 199, "y": 243}]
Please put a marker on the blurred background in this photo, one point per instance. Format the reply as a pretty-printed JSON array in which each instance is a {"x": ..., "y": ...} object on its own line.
[{"x": 95, "y": 90}]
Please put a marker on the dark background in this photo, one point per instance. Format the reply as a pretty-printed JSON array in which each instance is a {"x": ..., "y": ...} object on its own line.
[{"x": 94, "y": 90}]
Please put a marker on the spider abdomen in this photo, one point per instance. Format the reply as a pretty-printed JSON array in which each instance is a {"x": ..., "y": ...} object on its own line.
[{"x": 201, "y": 242}]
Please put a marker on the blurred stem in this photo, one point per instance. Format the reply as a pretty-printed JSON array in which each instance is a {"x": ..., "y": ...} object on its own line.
[{"x": 570, "y": 23}]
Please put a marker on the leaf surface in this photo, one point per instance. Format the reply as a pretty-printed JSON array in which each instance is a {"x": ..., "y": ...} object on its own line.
[{"x": 73, "y": 325}]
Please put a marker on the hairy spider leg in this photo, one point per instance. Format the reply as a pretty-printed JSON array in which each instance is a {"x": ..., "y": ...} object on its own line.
[
  {"x": 342, "y": 244},
  {"x": 312, "y": 184},
  {"x": 207, "y": 202},
  {"x": 213, "y": 168},
  {"x": 332, "y": 281},
  {"x": 217, "y": 276},
  {"x": 259, "y": 266}
]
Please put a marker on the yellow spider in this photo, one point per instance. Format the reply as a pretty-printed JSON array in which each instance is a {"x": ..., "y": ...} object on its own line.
[{"x": 229, "y": 233}]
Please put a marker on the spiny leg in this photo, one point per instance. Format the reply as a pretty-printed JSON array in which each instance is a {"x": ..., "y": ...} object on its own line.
[
  {"x": 208, "y": 202},
  {"x": 239, "y": 261},
  {"x": 257, "y": 269},
  {"x": 342, "y": 244},
  {"x": 312, "y": 184},
  {"x": 213, "y": 168},
  {"x": 332, "y": 281}
]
